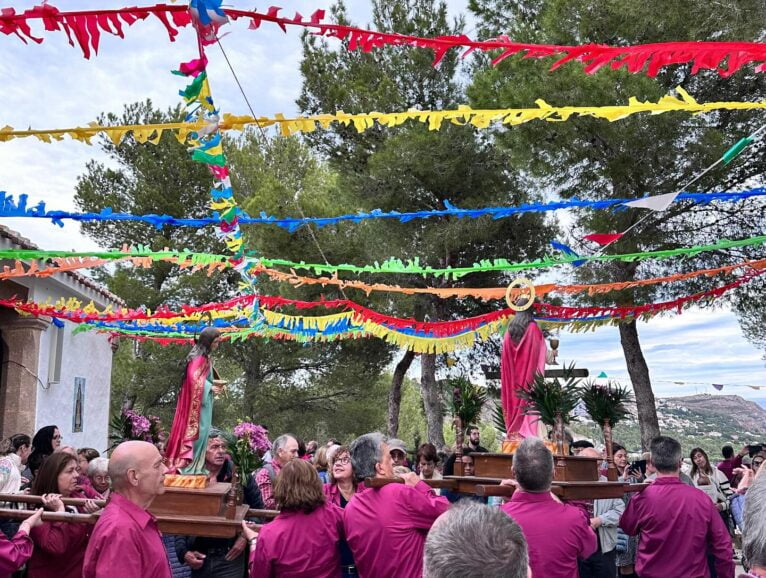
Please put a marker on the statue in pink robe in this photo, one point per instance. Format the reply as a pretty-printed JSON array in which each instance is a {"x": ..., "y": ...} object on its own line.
[{"x": 522, "y": 357}]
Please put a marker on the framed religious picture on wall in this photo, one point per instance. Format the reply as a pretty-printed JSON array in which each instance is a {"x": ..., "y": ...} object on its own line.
[{"x": 79, "y": 404}]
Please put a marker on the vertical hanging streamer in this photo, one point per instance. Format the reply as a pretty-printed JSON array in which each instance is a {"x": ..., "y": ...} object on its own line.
[{"x": 207, "y": 147}]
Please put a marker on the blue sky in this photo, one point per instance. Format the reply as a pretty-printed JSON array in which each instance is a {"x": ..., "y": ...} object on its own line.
[{"x": 51, "y": 86}]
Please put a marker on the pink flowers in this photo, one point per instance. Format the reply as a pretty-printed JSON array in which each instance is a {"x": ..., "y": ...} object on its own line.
[
  {"x": 139, "y": 425},
  {"x": 255, "y": 435},
  {"x": 144, "y": 428}
]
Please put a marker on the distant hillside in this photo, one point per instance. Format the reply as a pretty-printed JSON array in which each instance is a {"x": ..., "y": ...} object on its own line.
[{"x": 707, "y": 421}]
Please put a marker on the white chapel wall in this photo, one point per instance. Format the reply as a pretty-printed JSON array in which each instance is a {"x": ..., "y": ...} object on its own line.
[{"x": 86, "y": 356}]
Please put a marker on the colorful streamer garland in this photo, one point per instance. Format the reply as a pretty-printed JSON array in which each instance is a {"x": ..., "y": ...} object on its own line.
[
  {"x": 390, "y": 266},
  {"x": 86, "y": 28},
  {"x": 434, "y": 337},
  {"x": 10, "y": 208},
  {"x": 492, "y": 293},
  {"x": 463, "y": 115}
]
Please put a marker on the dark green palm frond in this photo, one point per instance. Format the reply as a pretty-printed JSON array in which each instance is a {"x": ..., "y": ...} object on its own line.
[
  {"x": 604, "y": 402},
  {"x": 547, "y": 397},
  {"x": 467, "y": 399},
  {"x": 498, "y": 418}
]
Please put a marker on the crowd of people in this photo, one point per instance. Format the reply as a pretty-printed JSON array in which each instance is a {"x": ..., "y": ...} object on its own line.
[{"x": 339, "y": 514}]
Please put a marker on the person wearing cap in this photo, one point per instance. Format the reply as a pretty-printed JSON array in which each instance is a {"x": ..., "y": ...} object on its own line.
[
  {"x": 386, "y": 526},
  {"x": 398, "y": 452}
]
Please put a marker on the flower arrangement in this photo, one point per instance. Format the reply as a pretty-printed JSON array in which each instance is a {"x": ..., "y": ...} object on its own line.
[
  {"x": 247, "y": 448},
  {"x": 131, "y": 425}
]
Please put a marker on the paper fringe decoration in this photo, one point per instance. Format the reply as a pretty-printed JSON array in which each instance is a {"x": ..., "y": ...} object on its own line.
[
  {"x": 437, "y": 337},
  {"x": 10, "y": 208},
  {"x": 397, "y": 266},
  {"x": 391, "y": 266},
  {"x": 87, "y": 26},
  {"x": 33, "y": 269},
  {"x": 463, "y": 115},
  {"x": 491, "y": 293}
]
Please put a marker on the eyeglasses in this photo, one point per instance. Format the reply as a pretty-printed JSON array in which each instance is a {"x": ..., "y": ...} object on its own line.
[
  {"x": 58, "y": 437},
  {"x": 757, "y": 463},
  {"x": 342, "y": 461}
]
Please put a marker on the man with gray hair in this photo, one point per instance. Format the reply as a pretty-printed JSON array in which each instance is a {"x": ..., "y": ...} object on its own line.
[
  {"x": 754, "y": 535},
  {"x": 284, "y": 449},
  {"x": 498, "y": 548},
  {"x": 209, "y": 557},
  {"x": 558, "y": 535},
  {"x": 678, "y": 525},
  {"x": 386, "y": 526}
]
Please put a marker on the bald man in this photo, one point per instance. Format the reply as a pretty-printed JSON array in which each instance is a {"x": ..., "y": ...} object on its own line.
[{"x": 126, "y": 541}]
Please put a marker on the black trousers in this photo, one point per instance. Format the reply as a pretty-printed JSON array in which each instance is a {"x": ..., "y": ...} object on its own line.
[{"x": 599, "y": 565}]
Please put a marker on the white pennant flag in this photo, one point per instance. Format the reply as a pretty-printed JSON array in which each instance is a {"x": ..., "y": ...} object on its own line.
[{"x": 656, "y": 203}]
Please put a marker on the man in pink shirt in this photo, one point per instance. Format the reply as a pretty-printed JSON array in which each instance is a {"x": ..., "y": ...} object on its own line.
[
  {"x": 284, "y": 449},
  {"x": 679, "y": 525},
  {"x": 557, "y": 534},
  {"x": 386, "y": 527},
  {"x": 730, "y": 461},
  {"x": 126, "y": 541}
]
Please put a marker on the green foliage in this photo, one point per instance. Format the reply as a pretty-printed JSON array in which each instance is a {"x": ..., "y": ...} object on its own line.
[
  {"x": 498, "y": 418},
  {"x": 412, "y": 168},
  {"x": 606, "y": 402},
  {"x": 412, "y": 419},
  {"x": 548, "y": 397},
  {"x": 467, "y": 399},
  {"x": 318, "y": 390},
  {"x": 644, "y": 154}
]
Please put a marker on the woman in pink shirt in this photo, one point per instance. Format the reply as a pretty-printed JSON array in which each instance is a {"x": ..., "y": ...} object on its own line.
[
  {"x": 303, "y": 540},
  {"x": 342, "y": 485},
  {"x": 59, "y": 546},
  {"x": 16, "y": 551}
]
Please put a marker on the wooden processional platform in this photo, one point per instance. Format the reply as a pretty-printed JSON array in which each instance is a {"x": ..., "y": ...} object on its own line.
[
  {"x": 574, "y": 478},
  {"x": 199, "y": 512}
]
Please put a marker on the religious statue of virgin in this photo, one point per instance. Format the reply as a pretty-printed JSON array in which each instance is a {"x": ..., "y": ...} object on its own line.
[{"x": 187, "y": 443}]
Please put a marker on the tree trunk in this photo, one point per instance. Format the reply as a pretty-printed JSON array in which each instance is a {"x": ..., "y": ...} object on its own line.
[
  {"x": 432, "y": 400},
  {"x": 395, "y": 395},
  {"x": 642, "y": 386}
]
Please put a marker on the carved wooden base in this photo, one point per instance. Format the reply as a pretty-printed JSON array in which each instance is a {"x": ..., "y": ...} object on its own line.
[
  {"x": 198, "y": 511},
  {"x": 186, "y": 481},
  {"x": 210, "y": 501},
  {"x": 567, "y": 468}
]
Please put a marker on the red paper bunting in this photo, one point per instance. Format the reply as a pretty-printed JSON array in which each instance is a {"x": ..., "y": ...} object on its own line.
[
  {"x": 603, "y": 238},
  {"x": 86, "y": 27}
]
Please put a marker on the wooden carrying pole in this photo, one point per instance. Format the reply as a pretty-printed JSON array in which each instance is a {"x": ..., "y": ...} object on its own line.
[
  {"x": 171, "y": 523},
  {"x": 93, "y": 518},
  {"x": 30, "y": 499},
  {"x": 380, "y": 482}
]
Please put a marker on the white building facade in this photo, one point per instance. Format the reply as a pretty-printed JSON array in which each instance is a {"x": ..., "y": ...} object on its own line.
[{"x": 48, "y": 375}]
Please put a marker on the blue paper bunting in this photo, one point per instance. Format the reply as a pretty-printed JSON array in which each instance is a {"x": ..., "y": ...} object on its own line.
[{"x": 10, "y": 208}]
